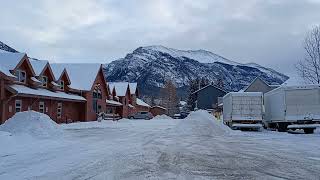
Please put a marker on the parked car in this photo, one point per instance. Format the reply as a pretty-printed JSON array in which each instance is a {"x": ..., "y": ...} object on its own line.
[
  {"x": 177, "y": 116},
  {"x": 182, "y": 115},
  {"x": 141, "y": 115}
]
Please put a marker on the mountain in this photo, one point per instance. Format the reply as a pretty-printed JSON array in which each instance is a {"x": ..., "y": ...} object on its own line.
[
  {"x": 150, "y": 66},
  {"x": 4, "y": 47}
]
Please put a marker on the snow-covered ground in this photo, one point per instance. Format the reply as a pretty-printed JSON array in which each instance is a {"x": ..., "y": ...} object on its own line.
[{"x": 197, "y": 147}]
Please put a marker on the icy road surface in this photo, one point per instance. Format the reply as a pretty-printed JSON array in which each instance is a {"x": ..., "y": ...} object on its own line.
[{"x": 198, "y": 147}]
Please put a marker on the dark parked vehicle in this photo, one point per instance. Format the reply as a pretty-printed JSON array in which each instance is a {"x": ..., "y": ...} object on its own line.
[{"x": 141, "y": 115}]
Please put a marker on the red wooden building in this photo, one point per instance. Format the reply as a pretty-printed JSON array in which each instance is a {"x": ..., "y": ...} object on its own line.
[{"x": 65, "y": 92}]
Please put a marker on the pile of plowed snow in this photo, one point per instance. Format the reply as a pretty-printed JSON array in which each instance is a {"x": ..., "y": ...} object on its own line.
[
  {"x": 163, "y": 116},
  {"x": 33, "y": 124},
  {"x": 202, "y": 123}
]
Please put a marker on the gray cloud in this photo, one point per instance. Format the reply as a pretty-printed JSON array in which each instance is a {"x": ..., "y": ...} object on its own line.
[{"x": 266, "y": 32}]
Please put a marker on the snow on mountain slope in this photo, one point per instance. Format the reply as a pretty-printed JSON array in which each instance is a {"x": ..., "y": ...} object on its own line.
[
  {"x": 6, "y": 48},
  {"x": 202, "y": 56},
  {"x": 150, "y": 66}
]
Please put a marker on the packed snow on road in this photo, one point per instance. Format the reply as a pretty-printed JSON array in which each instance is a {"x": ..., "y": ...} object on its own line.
[{"x": 199, "y": 147}]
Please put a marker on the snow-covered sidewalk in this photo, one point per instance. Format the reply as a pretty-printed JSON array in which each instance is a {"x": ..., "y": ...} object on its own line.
[{"x": 197, "y": 147}]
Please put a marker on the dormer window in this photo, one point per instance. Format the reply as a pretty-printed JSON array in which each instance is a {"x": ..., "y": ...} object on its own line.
[
  {"x": 61, "y": 84},
  {"x": 99, "y": 94},
  {"x": 21, "y": 75},
  {"x": 44, "y": 80}
]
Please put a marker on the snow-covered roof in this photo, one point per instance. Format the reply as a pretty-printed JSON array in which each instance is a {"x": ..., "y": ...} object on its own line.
[
  {"x": 38, "y": 65},
  {"x": 120, "y": 87},
  {"x": 308, "y": 86},
  {"x": 183, "y": 103},
  {"x": 82, "y": 75},
  {"x": 112, "y": 102},
  {"x": 57, "y": 70},
  {"x": 133, "y": 87},
  {"x": 35, "y": 80},
  {"x": 210, "y": 85},
  {"x": 8, "y": 61},
  {"x": 111, "y": 86},
  {"x": 159, "y": 107},
  {"x": 245, "y": 93},
  {"x": 21, "y": 89},
  {"x": 142, "y": 103}
]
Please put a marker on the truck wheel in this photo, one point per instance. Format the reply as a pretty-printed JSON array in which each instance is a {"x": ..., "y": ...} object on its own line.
[
  {"x": 308, "y": 130},
  {"x": 282, "y": 127}
]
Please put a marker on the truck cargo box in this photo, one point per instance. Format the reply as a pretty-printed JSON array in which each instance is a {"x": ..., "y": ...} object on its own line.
[
  {"x": 243, "y": 108},
  {"x": 293, "y": 107},
  {"x": 293, "y": 103}
]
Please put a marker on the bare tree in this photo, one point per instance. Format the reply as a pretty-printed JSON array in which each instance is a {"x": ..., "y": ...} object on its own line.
[
  {"x": 309, "y": 68},
  {"x": 169, "y": 97}
]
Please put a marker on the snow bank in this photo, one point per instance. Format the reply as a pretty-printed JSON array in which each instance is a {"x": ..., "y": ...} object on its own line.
[
  {"x": 33, "y": 124},
  {"x": 163, "y": 116},
  {"x": 4, "y": 134},
  {"x": 200, "y": 123},
  {"x": 203, "y": 123}
]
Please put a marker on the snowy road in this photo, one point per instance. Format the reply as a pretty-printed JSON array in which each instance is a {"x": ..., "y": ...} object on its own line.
[{"x": 195, "y": 148}]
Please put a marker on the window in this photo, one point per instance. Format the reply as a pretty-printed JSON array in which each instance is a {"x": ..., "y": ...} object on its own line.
[
  {"x": 18, "y": 105},
  {"x": 21, "y": 75},
  {"x": 95, "y": 105},
  {"x": 95, "y": 94},
  {"x": 61, "y": 84},
  {"x": 41, "y": 106},
  {"x": 109, "y": 111},
  {"x": 59, "y": 110},
  {"x": 99, "y": 94},
  {"x": 44, "y": 80}
]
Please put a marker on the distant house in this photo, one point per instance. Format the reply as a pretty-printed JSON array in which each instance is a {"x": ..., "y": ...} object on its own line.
[
  {"x": 207, "y": 97},
  {"x": 259, "y": 85},
  {"x": 142, "y": 106},
  {"x": 158, "y": 110},
  {"x": 121, "y": 93},
  {"x": 127, "y": 94}
]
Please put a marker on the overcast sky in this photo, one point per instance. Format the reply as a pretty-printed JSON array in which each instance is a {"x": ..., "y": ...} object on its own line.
[{"x": 267, "y": 32}]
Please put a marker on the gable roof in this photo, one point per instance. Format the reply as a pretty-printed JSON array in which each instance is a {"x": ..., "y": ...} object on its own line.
[
  {"x": 9, "y": 61},
  {"x": 111, "y": 87},
  {"x": 210, "y": 85},
  {"x": 82, "y": 75},
  {"x": 133, "y": 87},
  {"x": 38, "y": 65},
  {"x": 58, "y": 72},
  {"x": 256, "y": 79},
  {"x": 120, "y": 87},
  {"x": 140, "y": 102}
]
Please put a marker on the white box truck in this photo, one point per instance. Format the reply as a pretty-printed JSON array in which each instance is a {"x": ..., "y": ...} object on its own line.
[
  {"x": 293, "y": 107},
  {"x": 243, "y": 110}
]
